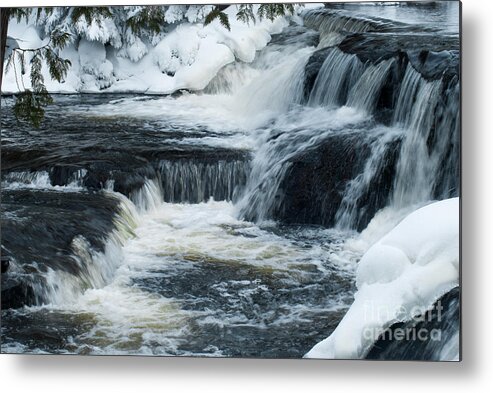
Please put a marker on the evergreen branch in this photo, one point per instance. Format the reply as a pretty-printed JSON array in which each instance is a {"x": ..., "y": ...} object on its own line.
[
  {"x": 90, "y": 14},
  {"x": 245, "y": 13},
  {"x": 150, "y": 17},
  {"x": 29, "y": 106},
  {"x": 30, "y": 103},
  {"x": 216, "y": 13}
]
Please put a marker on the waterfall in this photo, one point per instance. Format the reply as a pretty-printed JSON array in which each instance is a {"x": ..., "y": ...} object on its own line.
[
  {"x": 416, "y": 166},
  {"x": 338, "y": 73},
  {"x": 84, "y": 265},
  {"x": 412, "y": 161},
  {"x": 149, "y": 197},
  {"x": 353, "y": 209},
  {"x": 420, "y": 162},
  {"x": 292, "y": 135},
  {"x": 426, "y": 127},
  {"x": 41, "y": 179},
  {"x": 407, "y": 94},
  {"x": 274, "y": 91},
  {"x": 364, "y": 94},
  {"x": 26, "y": 179},
  {"x": 189, "y": 181},
  {"x": 344, "y": 80}
]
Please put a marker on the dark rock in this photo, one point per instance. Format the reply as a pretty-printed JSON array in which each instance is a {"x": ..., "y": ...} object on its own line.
[
  {"x": 314, "y": 185},
  {"x": 312, "y": 69},
  {"x": 38, "y": 229},
  {"x": 5, "y": 264},
  {"x": 313, "y": 188},
  {"x": 49, "y": 220},
  {"x": 127, "y": 151},
  {"x": 448, "y": 124},
  {"x": 432, "y": 55},
  {"x": 435, "y": 65},
  {"x": 16, "y": 293},
  {"x": 297, "y": 35},
  {"x": 444, "y": 321},
  {"x": 61, "y": 175}
]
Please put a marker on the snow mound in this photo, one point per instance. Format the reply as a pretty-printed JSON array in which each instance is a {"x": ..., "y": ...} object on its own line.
[{"x": 399, "y": 277}]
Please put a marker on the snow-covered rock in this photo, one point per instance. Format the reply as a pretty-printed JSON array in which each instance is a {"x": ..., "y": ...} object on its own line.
[
  {"x": 399, "y": 277},
  {"x": 106, "y": 56},
  {"x": 96, "y": 70}
]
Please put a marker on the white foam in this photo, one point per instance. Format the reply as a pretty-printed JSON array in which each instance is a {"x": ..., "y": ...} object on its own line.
[
  {"x": 40, "y": 180},
  {"x": 206, "y": 232},
  {"x": 171, "y": 238}
]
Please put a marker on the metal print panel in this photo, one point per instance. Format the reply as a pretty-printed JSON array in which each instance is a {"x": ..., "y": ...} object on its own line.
[{"x": 270, "y": 181}]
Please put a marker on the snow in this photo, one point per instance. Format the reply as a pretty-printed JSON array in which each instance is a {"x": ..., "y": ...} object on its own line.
[
  {"x": 204, "y": 66},
  {"x": 97, "y": 71},
  {"x": 103, "y": 30},
  {"x": 135, "y": 49},
  {"x": 107, "y": 57},
  {"x": 400, "y": 276},
  {"x": 175, "y": 13}
]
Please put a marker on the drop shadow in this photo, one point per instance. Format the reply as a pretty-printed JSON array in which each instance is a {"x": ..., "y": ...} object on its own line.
[{"x": 471, "y": 181}]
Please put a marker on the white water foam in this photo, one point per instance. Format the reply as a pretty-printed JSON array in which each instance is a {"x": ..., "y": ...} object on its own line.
[
  {"x": 40, "y": 180},
  {"x": 127, "y": 319}
]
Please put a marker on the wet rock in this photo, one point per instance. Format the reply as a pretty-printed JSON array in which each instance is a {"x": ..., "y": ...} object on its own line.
[
  {"x": 98, "y": 151},
  {"x": 312, "y": 69},
  {"x": 49, "y": 220},
  {"x": 433, "y": 65},
  {"x": 314, "y": 186},
  {"x": 5, "y": 265},
  {"x": 297, "y": 35},
  {"x": 420, "y": 341},
  {"x": 39, "y": 228},
  {"x": 433, "y": 55},
  {"x": 16, "y": 293}
]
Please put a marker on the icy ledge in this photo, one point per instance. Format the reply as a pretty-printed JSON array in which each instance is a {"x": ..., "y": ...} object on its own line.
[{"x": 403, "y": 273}]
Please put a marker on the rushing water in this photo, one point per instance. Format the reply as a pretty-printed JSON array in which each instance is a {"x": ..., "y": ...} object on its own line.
[
  {"x": 191, "y": 280},
  {"x": 169, "y": 216}
]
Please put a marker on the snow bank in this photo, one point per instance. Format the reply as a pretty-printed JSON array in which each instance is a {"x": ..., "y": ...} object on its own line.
[
  {"x": 399, "y": 277},
  {"x": 187, "y": 56}
]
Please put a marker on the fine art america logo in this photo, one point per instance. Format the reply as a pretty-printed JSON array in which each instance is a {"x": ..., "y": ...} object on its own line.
[{"x": 421, "y": 323}]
